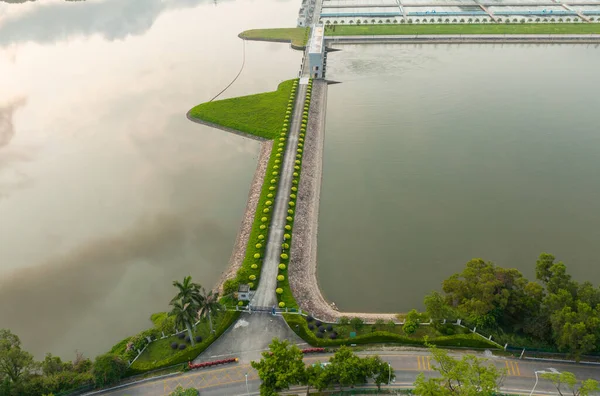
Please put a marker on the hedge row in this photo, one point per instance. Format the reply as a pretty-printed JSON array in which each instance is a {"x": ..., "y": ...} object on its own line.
[
  {"x": 249, "y": 272},
  {"x": 189, "y": 353},
  {"x": 284, "y": 292},
  {"x": 300, "y": 327}
]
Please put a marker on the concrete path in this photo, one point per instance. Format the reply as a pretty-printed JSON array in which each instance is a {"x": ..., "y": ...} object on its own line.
[
  {"x": 265, "y": 294},
  {"x": 248, "y": 337}
]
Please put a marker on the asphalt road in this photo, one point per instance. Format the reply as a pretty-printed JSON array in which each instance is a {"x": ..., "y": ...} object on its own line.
[{"x": 231, "y": 380}]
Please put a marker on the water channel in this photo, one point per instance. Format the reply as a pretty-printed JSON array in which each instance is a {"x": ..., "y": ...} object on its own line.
[
  {"x": 438, "y": 154},
  {"x": 107, "y": 192}
]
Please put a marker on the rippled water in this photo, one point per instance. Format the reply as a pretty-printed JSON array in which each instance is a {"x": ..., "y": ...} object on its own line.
[
  {"x": 438, "y": 154},
  {"x": 107, "y": 192}
]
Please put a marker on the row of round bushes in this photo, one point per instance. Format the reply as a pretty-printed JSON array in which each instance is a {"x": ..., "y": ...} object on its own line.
[
  {"x": 321, "y": 329},
  {"x": 287, "y": 237},
  {"x": 250, "y": 271},
  {"x": 572, "y": 19},
  {"x": 273, "y": 179}
]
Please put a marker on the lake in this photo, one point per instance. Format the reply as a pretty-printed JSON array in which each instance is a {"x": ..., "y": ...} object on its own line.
[
  {"x": 107, "y": 192},
  {"x": 436, "y": 154}
]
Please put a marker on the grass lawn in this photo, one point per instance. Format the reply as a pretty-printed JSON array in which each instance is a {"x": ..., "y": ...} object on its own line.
[
  {"x": 492, "y": 28},
  {"x": 159, "y": 353},
  {"x": 297, "y": 36},
  {"x": 260, "y": 114}
]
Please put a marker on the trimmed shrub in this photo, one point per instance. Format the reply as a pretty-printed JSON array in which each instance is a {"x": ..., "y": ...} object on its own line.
[
  {"x": 263, "y": 219},
  {"x": 284, "y": 256},
  {"x": 252, "y": 277},
  {"x": 279, "y": 290},
  {"x": 282, "y": 266},
  {"x": 261, "y": 236},
  {"x": 181, "y": 336},
  {"x": 318, "y": 323},
  {"x": 266, "y": 210},
  {"x": 262, "y": 226},
  {"x": 292, "y": 203},
  {"x": 321, "y": 329},
  {"x": 256, "y": 255},
  {"x": 288, "y": 227},
  {"x": 309, "y": 318},
  {"x": 291, "y": 211},
  {"x": 329, "y": 327},
  {"x": 254, "y": 266},
  {"x": 281, "y": 304},
  {"x": 174, "y": 345},
  {"x": 258, "y": 245},
  {"x": 269, "y": 203},
  {"x": 320, "y": 335},
  {"x": 289, "y": 218},
  {"x": 333, "y": 336},
  {"x": 187, "y": 338},
  {"x": 286, "y": 236},
  {"x": 294, "y": 188},
  {"x": 199, "y": 339},
  {"x": 182, "y": 346},
  {"x": 280, "y": 278}
]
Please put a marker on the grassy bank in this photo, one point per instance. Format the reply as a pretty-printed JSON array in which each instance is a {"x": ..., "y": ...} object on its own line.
[
  {"x": 384, "y": 333},
  {"x": 298, "y": 37},
  {"x": 259, "y": 115},
  {"x": 442, "y": 28},
  {"x": 159, "y": 353}
]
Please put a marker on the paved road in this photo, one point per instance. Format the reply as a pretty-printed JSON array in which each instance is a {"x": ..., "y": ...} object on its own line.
[
  {"x": 265, "y": 294},
  {"x": 231, "y": 380}
]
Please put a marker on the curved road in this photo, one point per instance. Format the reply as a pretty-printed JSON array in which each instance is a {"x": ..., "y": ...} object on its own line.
[{"x": 231, "y": 380}]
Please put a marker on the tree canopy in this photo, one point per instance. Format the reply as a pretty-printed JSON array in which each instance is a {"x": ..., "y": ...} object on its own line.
[
  {"x": 281, "y": 367},
  {"x": 553, "y": 309},
  {"x": 467, "y": 376}
]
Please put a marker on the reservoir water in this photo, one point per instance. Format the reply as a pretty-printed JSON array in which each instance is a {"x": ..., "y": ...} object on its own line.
[
  {"x": 107, "y": 192},
  {"x": 437, "y": 154}
]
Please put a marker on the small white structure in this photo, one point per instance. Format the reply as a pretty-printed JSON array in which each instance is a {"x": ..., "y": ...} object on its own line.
[
  {"x": 316, "y": 52},
  {"x": 244, "y": 293}
]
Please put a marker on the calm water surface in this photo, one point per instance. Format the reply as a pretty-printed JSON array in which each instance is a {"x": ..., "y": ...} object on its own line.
[
  {"x": 438, "y": 154},
  {"x": 107, "y": 191}
]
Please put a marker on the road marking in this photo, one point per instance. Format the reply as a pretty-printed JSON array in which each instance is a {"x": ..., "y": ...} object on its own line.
[
  {"x": 512, "y": 368},
  {"x": 424, "y": 363}
]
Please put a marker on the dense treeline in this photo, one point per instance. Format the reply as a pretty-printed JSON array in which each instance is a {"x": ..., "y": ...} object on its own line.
[{"x": 553, "y": 310}]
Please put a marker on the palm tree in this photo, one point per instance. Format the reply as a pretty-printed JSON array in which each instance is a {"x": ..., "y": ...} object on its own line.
[
  {"x": 189, "y": 292},
  {"x": 184, "y": 316},
  {"x": 210, "y": 304}
]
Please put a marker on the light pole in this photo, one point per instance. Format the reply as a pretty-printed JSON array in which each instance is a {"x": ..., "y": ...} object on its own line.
[
  {"x": 247, "y": 389},
  {"x": 552, "y": 370},
  {"x": 389, "y": 373}
]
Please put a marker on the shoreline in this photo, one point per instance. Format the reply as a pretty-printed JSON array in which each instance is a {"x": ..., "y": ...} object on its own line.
[
  {"x": 241, "y": 240},
  {"x": 302, "y": 270}
]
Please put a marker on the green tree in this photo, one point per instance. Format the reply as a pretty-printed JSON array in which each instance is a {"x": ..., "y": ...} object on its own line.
[
  {"x": 209, "y": 305},
  {"x": 280, "y": 368},
  {"x": 357, "y": 323},
  {"x": 437, "y": 308},
  {"x": 188, "y": 291},
  {"x": 53, "y": 365},
  {"x": 568, "y": 380},
  {"x": 488, "y": 295},
  {"x": 15, "y": 363},
  {"x": 467, "y": 376},
  {"x": 318, "y": 377},
  {"x": 108, "y": 368},
  {"x": 379, "y": 371},
  {"x": 347, "y": 369},
  {"x": 411, "y": 323},
  {"x": 184, "y": 314}
]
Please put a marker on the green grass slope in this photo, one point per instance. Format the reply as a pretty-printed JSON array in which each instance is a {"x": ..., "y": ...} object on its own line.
[
  {"x": 259, "y": 115},
  {"x": 296, "y": 36}
]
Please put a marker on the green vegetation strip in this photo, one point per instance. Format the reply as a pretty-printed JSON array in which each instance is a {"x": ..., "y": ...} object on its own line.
[
  {"x": 249, "y": 272},
  {"x": 159, "y": 353},
  {"x": 525, "y": 28},
  {"x": 298, "y": 37},
  {"x": 259, "y": 115},
  {"x": 284, "y": 292},
  {"x": 300, "y": 327}
]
